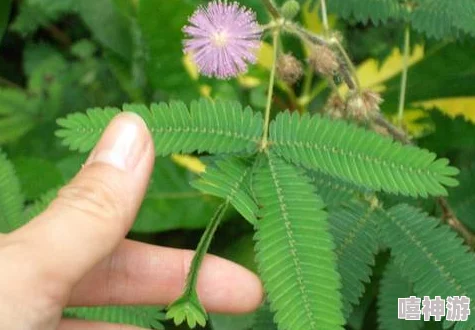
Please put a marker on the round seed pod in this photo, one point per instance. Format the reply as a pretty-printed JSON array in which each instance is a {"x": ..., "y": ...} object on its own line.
[
  {"x": 323, "y": 60},
  {"x": 289, "y": 69},
  {"x": 335, "y": 107},
  {"x": 364, "y": 106}
]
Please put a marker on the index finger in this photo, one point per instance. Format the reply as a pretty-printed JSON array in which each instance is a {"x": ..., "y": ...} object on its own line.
[{"x": 93, "y": 213}]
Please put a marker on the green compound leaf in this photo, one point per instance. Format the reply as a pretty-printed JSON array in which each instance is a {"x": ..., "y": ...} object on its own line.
[
  {"x": 40, "y": 204},
  {"x": 214, "y": 127},
  {"x": 17, "y": 111},
  {"x": 34, "y": 14},
  {"x": 231, "y": 321},
  {"x": 81, "y": 131},
  {"x": 170, "y": 202},
  {"x": 462, "y": 198},
  {"x": 332, "y": 190},
  {"x": 295, "y": 249},
  {"x": 229, "y": 179},
  {"x": 141, "y": 316},
  {"x": 430, "y": 255},
  {"x": 440, "y": 19},
  {"x": 394, "y": 286},
  {"x": 359, "y": 156},
  {"x": 367, "y": 10},
  {"x": 264, "y": 319},
  {"x": 354, "y": 228},
  {"x": 435, "y": 18},
  {"x": 37, "y": 175},
  {"x": 11, "y": 198}
]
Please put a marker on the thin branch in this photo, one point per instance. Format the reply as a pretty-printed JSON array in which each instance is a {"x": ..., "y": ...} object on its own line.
[
  {"x": 275, "y": 44},
  {"x": 334, "y": 87},
  {"x": 448, "y": 215},
  {"x": 313, "y": 39},
  {"x": 323, "y": 7},
  {"x": 271, "y": 8},
  {"x": 59, "y": 35},
  {"x": 393, "y": 130},
  {"x": 348, "y": 64},
  {"x": 202, "y": 248},
  {"x": 307, "y": 84},
  {"x": 305, "y": 34},
  {"x": 348, "y": 72},
  {"x": 405, "y": 66},
  {"x": 8, "y": 83}
]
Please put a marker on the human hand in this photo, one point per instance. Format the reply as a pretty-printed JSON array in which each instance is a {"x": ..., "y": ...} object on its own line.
[{"x": 75, "y": 254}]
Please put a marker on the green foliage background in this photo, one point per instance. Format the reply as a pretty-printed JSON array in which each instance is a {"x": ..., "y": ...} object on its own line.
[{"x": 60, "y": 57}]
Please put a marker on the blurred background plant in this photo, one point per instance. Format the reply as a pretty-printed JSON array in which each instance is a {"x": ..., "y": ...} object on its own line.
[{"x": 58, "y": 57}]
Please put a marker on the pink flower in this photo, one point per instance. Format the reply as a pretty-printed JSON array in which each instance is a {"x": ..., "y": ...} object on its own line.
[{"x": 223, "y": 37}]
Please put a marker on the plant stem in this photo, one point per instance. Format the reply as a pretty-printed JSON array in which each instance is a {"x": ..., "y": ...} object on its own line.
[
  {"x": 314, "y": 39},
  {"x": 307, "y": 84},
  {"x": 306, "y": 35},
  {"x": 203, "y": 246},
  {"x": 275, "y": 44},
  {"x": 334, "y": 87},
  {"x": 349, "y": 64},
  {"x": 8, "y": 83},
  {"x": 348, "y": 72},
  {"x": 323, "y": 7},
  {"x": 451, "y": 219},
  {"x": 62, "y": 38},
  {"x": 405, "y": 65},
  {"x": 396, "y": 133},
  {"x": 271, "y": 8},
  {"x": 448, "y": 215}
]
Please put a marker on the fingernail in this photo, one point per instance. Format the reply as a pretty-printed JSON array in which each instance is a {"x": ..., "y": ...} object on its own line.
[{"x": 122, "y": 143}]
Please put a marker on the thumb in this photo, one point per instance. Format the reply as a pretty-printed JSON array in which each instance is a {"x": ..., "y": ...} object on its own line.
[{"x": 93, "y": 213}]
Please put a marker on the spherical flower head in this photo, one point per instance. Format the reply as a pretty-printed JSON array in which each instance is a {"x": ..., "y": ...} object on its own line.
[{"x": 222, "y": 39}]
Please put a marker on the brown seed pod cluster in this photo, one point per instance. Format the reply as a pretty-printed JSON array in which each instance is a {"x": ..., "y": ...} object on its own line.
[
  {"x": 323, "y": 60},
  {"x": 363, "y": 106},
  {"x": 289, "y": 69}
]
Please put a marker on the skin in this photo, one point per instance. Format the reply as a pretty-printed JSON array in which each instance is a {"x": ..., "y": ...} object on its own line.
[{"x": 75, "y": 254}]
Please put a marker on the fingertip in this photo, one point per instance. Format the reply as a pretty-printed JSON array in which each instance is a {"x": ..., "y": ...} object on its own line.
[
  {"x": 226, "y": 287},
  {"x": 138, "y": 121}
]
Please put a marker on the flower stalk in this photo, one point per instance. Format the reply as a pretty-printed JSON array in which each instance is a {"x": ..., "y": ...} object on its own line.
[
  {"x": 348, "y": 63},
  {"x": 188, "y": 306},
  {"x": 275, "y": 44},
  {"x": 323, "y": 8},
  {"x": 271, "y": 8},
  {"x": 405, "y": 67}
]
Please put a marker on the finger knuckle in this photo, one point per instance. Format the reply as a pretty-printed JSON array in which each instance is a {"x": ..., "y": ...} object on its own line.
[{"x": 95, "y": 198}]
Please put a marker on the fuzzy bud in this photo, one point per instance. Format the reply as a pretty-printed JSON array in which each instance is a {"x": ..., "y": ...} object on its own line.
[
  {"x": 364, "y": 106},
  {"x": 290, "y": 9},
  {"x": 335, "y": 107},
  {"x": 289, "y": 69},
  {"x": 323, "y": 60}
]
